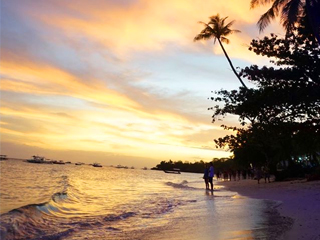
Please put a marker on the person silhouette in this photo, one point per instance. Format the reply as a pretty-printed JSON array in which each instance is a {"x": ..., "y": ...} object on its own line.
[
  {"x": 211, "y": 174},
  {"x": 266, "y": 174},
  {"x": 258, "y": 174},
  {"x": 206, "y": 176}
]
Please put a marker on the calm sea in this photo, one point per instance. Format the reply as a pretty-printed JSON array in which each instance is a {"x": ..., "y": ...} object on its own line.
[{"x": 40, "y": 201}]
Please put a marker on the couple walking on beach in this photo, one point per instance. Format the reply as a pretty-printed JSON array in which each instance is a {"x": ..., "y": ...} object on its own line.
[{"x": 208, "y": 176}]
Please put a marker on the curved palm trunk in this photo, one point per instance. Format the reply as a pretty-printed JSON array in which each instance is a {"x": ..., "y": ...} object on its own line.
[{"x": 231, "y": 65}]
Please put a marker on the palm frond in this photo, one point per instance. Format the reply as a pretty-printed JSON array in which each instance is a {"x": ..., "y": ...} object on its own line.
[
  {"x": 222, "y": 21},
  {"x": 224, "y": 39},
  {"x": 235, "y": 31},
  {"x": 204, "y": 36},
  {"x": 279, "y": 4},
  {"x": 203, "y": 23},
  {"x": 229, "y": 24},
  {"x": 255, "y": 3},
  {"x": 266, "y": 18},
  {"x": 290, "y": 13}
]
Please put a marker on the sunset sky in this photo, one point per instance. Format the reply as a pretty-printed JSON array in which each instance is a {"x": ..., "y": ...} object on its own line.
[{"x": 117, "y": 81}]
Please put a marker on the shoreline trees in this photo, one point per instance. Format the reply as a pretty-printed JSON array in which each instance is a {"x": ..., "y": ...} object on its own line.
[{"x": 281, "y": 115}]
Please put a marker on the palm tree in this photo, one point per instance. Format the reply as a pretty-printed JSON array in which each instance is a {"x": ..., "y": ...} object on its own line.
[
  {"x": 290, "y": 12},
  {"x": 218, "y": 30}
]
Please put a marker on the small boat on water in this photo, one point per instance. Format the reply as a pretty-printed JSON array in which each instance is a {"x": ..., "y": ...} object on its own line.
[
  {"x": 120, "y": 166},
  {"x": 3, "y": 157},
  {"x": 58, "y": 162},
  {"x": 97, "y": 165},
  {"x": 38, "y": 159},
  {"x": 79, "y": 163},
  {"x": 174, "y": 170}
]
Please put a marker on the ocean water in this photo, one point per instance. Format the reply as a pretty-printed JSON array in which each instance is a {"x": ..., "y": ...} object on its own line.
[{"x": 42, "y": 201}]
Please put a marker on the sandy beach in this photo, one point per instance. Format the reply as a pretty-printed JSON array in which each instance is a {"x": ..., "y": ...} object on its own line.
[{"x": 299, "y": 200}]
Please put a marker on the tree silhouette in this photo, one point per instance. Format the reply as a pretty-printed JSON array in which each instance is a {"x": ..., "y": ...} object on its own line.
[
  {"x": 218, "y": 30},
  {"x": 282, "y": 113},
  {"x": 290, "y": 12}
]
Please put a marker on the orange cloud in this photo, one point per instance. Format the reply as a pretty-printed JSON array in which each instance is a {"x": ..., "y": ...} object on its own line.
[
  {"x": 44, "y": 79},
  {"x": 150, "y": 25}
]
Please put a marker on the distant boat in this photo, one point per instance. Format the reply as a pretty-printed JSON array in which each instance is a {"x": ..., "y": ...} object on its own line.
[
  {"x": 58, "y": 162},
  {"x": 120, "y": 166},
  {"x": 39, "y": 159},
  {"x": 3, "y": 157},
  {"x": 79, "y": 163},
  {"x": 97, "y": 165},
  {"x": 174, "y": 170}
]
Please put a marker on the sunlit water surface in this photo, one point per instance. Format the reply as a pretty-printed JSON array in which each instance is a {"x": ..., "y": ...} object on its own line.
[{"x": 40, "y": 201}]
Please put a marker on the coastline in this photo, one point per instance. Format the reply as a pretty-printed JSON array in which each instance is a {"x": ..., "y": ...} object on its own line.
[{"x": 299, "y": 200}]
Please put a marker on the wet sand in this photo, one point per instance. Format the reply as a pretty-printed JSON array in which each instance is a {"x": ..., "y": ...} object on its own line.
[
  {"x": 299, "y": 200},
  {"x": 224, "y": 215},
  {"x": 291, "y": 211}
]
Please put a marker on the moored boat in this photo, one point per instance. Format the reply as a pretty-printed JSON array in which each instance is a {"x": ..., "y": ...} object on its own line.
[
  {"x": 120, "y": 166},
  {"x": 38, "y": 159},
  {"x": 97, "y": 165},
  {"x": 3, "y": 157},
  {"x": 174, "y": 170},
  {"x": 58, "y": 162}
]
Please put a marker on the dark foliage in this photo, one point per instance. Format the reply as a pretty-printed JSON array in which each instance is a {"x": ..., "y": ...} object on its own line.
[
  {"x": 281, "y": 116},
  {"x": 220, "y": 164},
  {"x": 291, "y": 12},
  {"x": 196, "y": 167}
]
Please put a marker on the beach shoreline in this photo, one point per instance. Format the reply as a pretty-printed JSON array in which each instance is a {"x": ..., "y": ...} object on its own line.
[{"x": 299, "y": 200}]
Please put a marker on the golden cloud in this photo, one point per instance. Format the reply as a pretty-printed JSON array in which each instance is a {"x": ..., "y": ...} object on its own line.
[{"x": 149, "y": 25}]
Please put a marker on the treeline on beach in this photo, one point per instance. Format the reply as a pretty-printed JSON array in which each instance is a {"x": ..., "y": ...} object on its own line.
[
  {"x": 277, "y": 105},
  {"x": 294, "y": 170},
  {"x": 220, "y": 164}
]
